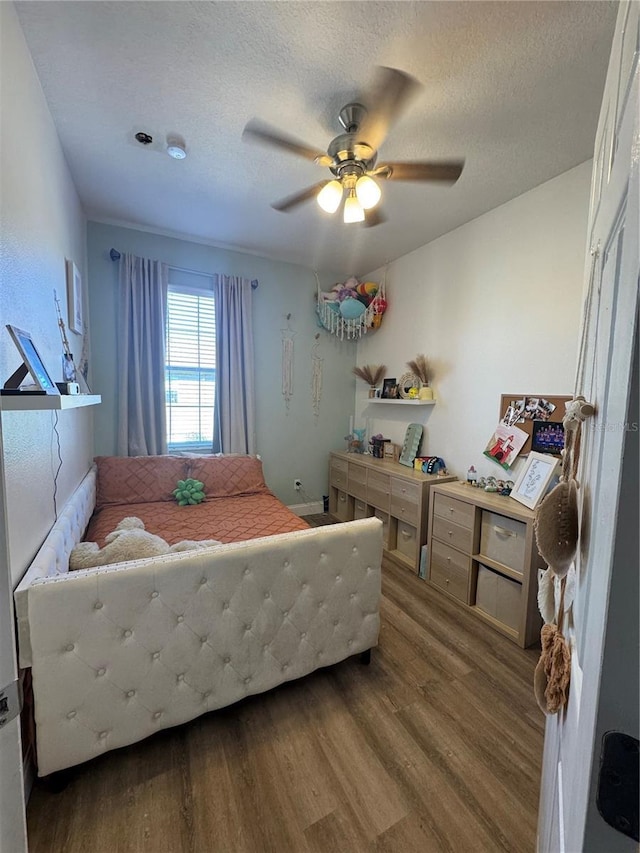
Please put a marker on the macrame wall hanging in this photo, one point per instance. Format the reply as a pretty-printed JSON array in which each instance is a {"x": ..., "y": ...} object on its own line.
[
  {"x": 352, "y": 309},
  {"x": 287, "y": 335},
  {"x": 557, "y": 532},
  {"x": 316, "y": 376}
]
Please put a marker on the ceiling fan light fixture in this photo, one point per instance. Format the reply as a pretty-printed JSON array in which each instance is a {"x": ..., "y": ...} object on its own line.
[
  {"x": 330, "y": 196},
  {"x": 367, "y": 192},
  {"x": 353, "y": 211}
]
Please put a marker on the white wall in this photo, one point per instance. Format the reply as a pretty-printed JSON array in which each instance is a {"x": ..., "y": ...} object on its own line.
[
  {"x": 41, "y": 224},
  {"x": 496, "y": 306}
]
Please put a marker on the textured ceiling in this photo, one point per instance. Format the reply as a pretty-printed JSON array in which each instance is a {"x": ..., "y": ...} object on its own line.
[{"x": 512, "y": 87}]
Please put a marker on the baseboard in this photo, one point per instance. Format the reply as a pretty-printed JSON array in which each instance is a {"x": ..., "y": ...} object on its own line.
[{"x": 312, "y": 508}]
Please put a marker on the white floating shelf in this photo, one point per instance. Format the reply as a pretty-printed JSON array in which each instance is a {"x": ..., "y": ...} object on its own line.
[
  {"x": 40, "y": 402},
  {"x": 392, "y": 402}
]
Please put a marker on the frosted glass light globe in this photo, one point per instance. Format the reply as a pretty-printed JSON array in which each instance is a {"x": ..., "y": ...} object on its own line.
[
  {"x": 368, "y": 192},
  {"x": 353, "y": 211},
  {"x": 330, "y": 196}
]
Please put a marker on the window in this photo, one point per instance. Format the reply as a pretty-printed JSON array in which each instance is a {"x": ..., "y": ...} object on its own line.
[{"x": 190, "y": 370}]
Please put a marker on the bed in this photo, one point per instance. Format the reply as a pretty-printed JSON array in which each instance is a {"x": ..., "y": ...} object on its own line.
[{"x": 120, "y": 652}]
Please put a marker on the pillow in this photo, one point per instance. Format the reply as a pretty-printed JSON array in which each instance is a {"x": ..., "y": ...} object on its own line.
[
  {"x": 224, "y": 476},
  {"x": 138, "y": 479}
]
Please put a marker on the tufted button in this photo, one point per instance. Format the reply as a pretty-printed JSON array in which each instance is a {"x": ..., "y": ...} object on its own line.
[
  {"x": 101, "y": 671},
  {"x": 97, "y": 605},
  {"x": 285, "y": 612},
  {"x": 319, "y": 655},
  {"x": 227, "y": 659},
  {"x": 369, "y": 569},
  {"x": 103, "y": 735},
  {"x": 127, "y": 633},
  {"x": 225, "y": 605},
  {"x": 349, "y": 642},
  {"x": 246, "y": 571},
  {"x": 155, "y": 593},
  {"x": 285, "y": 666},
  {"x": 267, "y": 595},
  {"x": 203, "y": 581},
  {"x": 248, "y": 626},
  {"x": 303, "y": 635},
  {"x": 247, "y": 680},
  {"x": 181, "y": 677},
  {"x": 320, "y": 605},
  {"x": 203, "y": 640},
  {"x": 265, "y": 648},
  {"x": 305, "y": 585},
  {"x": 71, "y": 715},
  {"x": 206, "y": 694},
  {"x": 336, "y": 622},
  {"x": 322, "y": 555},
  {"x": 180, "y": 619},
  {"x": 157, "y": 715},
  {"x": 355, "y": 550},
  {"x": 286, "y": 564},
  {"x": 352, "y": 596},
  {"x": 338, "y": 577},
  {"x": 156, "y": 655},
  {"x": 131, "y": 693},
  {"x": 70, "y": 647}
]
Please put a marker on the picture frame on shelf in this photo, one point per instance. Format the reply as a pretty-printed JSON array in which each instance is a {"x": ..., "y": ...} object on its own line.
[
  {"x": 74, "y": 298},
  {"x": 389, "y": 389},
  {"x": 534, "y": 479},
  {"x": 32, "y": 363}
]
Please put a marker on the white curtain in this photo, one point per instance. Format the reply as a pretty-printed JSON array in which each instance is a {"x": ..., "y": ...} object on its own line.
[
  {"x": 235, "y": 406},
  {"x": 142, "y": 308}
]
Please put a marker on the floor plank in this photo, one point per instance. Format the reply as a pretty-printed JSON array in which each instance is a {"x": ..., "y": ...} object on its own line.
[{"x": 435, "y": 746}]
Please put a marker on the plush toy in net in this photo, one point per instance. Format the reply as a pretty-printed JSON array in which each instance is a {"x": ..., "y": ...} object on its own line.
[{"x": 189, "y": 492}]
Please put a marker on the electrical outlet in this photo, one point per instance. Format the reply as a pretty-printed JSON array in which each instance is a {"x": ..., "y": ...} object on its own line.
[{"x": 297, "y": 485}]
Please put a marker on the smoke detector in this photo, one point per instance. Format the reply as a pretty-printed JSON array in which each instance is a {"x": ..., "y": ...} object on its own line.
[{"x": 176, "y": 149}]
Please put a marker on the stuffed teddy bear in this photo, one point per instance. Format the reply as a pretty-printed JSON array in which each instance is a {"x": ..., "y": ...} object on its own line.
[{"x": 129, "y": 541}]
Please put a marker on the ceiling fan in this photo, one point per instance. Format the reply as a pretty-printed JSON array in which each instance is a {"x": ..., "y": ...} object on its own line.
[{"x": 351, "y": 157}]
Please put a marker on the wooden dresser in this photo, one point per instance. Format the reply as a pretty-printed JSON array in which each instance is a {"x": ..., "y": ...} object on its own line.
[
  {"x": 360, "y": 486},
  {"x": 482, "y": 552}
]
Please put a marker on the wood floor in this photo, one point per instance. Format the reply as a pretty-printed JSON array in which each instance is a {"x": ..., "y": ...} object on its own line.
[{"x": 436, "y": 746}]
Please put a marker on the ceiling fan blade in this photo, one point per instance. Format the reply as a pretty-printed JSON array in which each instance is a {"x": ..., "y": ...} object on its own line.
[
  {"x": 446, "y": 171},
  {"x": 391, "y": 92},
  {"x": 290, "y": 201},
  {"x": 373, "y": 217},
  {"x": 256, "y": 131}
]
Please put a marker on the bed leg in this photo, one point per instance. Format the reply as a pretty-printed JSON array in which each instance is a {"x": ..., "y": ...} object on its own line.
[
  {"x": 56, "y": 782},
  {"x": 365, "y": 657}
]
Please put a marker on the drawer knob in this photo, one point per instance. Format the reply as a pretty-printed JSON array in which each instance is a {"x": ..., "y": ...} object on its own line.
[
  {"x": 343, "y": 497},
  {"x": 450, "y": 532},
  {"x": 448, "y": 561},
  {"x": 450, "y": 509},
  {"x": 446, "y": 580},
  {"x": 405, "y": 533}
]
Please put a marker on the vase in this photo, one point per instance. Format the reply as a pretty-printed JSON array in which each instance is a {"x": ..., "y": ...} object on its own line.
[
  {"x": 372, "y": 391},
  {"x": 425, "y": 393}
]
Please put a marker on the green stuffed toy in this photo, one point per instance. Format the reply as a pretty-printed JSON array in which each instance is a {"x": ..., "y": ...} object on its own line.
[{"x": 189, "y": 492}]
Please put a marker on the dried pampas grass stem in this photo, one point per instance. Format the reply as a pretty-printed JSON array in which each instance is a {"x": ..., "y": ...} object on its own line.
[
  {"x": 372, "y": 374},
  {"x": 419, "y": 366}
]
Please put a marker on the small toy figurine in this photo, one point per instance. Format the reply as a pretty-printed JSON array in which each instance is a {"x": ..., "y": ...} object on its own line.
[
  {"x": 481, "y": 483},
  {"x": 491, "y": 485},
  {"x": 506, "y": 488}
]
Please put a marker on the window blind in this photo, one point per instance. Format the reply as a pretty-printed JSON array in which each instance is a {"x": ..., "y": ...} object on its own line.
[{"x": 190, "y": 370}]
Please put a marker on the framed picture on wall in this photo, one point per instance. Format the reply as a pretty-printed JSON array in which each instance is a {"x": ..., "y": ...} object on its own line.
[{"x": 74, "y": 298}]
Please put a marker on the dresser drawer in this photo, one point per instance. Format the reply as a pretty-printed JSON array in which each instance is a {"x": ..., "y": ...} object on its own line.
[
  {"x": 453, "y": 509},
  {"x": 503, "y": 539},
  {"x": 450, "y": 570},
  {"x": 357, "y": 479},
  {"x": 453, "y": 534},
  {"x": 378, "y": 489},
  {"x": 338, "y": 475},
  {"x": 405, "y": 491},
  {"x": 404, "y": 509},
  {"x": 342, "y": 506},
  {"x": 407, "y": 541}
]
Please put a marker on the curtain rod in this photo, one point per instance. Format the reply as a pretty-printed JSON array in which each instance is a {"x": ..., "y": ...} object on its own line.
[{"x": 114, "y": 254}]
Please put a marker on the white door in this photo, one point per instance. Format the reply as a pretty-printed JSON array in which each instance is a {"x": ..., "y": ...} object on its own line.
[
  {"x": 13, "y": 834},
  {"x": 604, "y": 628}
]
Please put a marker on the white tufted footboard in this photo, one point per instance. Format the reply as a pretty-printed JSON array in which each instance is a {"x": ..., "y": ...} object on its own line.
[{"x": 121, "y": 652}]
